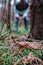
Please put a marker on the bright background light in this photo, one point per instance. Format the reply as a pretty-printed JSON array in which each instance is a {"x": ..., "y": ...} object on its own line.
[
  {"x": 12, "y": 2},
  {"x": 0, "y": 5}
]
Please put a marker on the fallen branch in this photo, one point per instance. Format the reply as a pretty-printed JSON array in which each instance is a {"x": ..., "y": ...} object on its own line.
[{"x": 34, "y": 45}]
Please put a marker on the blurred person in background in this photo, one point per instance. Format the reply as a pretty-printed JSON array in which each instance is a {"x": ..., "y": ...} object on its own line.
[{"x": 21, "y": 10}]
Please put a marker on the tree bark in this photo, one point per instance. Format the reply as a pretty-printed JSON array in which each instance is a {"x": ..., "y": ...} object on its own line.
[
  {"x": 9, "y": 12},
  {"x": 36, "y": 18}
]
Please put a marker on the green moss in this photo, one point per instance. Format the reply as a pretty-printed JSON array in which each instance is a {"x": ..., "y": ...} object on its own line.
[
  {"x": 26, "y": 52},
  {"x": 16, "y": 58}
]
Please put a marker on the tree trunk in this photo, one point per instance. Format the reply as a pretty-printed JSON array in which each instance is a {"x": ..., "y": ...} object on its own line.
[
  {"x": 36, "y": 17},
  {"x": 9, "y": 12}
]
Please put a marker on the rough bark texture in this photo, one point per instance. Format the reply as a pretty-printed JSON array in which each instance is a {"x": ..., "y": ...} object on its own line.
[
  {"x": 36, "y": 15},
  {"x": 6, "y": 12},
  {"x": 9, "y": 12}
]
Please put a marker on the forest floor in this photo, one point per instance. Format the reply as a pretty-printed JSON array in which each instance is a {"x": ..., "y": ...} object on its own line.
[{"x": 17, "y": 49}]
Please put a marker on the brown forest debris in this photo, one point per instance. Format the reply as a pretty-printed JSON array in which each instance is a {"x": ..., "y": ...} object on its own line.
[
  {"x": 34, "y": 45},
  {"x": 30, "y": 60}
]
